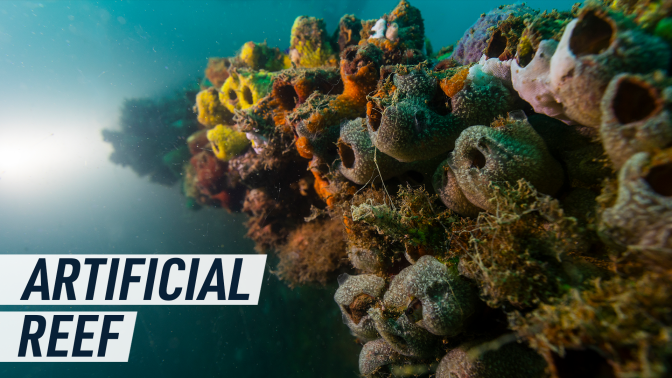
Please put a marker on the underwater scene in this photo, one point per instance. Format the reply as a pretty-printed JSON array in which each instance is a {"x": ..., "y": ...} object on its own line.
[{"x": 443, "y": 189}]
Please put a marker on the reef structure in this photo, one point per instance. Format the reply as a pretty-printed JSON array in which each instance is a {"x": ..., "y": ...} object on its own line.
[{"x": 499, "y": 208}]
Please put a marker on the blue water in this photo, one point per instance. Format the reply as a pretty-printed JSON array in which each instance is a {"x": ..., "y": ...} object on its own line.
[{"x": 65, "y": 68}]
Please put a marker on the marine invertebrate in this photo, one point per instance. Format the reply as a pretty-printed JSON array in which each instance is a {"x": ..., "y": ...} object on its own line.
[
  {"x": 593, "y": 49},
  {"x": 244, "y": 88},
  {"x": 312, "y": 253},
  {"x": 640, "y": 219},
  {"x": 227, "y": 143},
  {"x": 375, "y": 355},
  {"x": 476, "y": 360},
  {"x": 409, "y": 129},
  {"x": 486, "y": 93},
  {"x": 446, "y": 186},
  {"x": 258, "y": 56},
  {"x": 433, "y": 296},
  {"x": 217, "y": 70},
  {"x": 485, "y": 34},
  {"x": 359, "y": 160},
  {"x": 355, "y": 295},
  {"x": 198, "y": 142},
  {"x": 626, "y": 319},
  {"x": 404, "y": 336},
  {"x": 212, "y": 183},
  {"x": 516, "y": 255},
  {"x": 400, "y": 35},
  {"x": 523, "y": 229},
  {"x": 424, "y": 300},
  {"x": 370, "y": 260},
  {"x": 310, "y": 46},
  {"x": 378, "y": 29},
  {"x": 293, "y": 87},
  {"x": 348, "y": 33},
  {"x": 410, "y": 220},
  {"x": 407, "y": 25},
  {"x": 545, "y": 26},
  {"x": 532, "y": 81},
  {"x": 502, "y": 154},
  {"x": 635, "y": 117},
  {"x": 210, "y": 111},
  {"x": 318, "y": 119}
]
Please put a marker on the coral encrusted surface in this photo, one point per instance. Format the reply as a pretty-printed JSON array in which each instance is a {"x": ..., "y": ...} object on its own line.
[{"x": 500, "y": 208}]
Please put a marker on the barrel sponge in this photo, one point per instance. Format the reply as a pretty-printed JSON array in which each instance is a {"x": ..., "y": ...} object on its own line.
[
  {"x": 415, "y": 82},
  {"x": 355, "y": 295},
  {"x": 411, "y": 131},
  {"x": 227, "y": 143},
  {"x": 594, "y": 48},
  {"x": 449, "y": 191},
  {"x": 210, "y": 110},
  {"x": 258, "y": 56},
  {"x": 405, "y": 336},
  {"x": 321, "y": 142},
  {"x": 375, "y": 356},
  {"x": 245, "y": 88},
  {"x": 484, "y": 96},
  {"x": 472, "y": 360},
  {"x": 433, "y": 296},
  {"x": 410, "y": 28},
  {"x": 359, "y": 160},
  {"x": 310, "y": 45},
  {"x": 635, "y": 116},
  {"x": 479, "y": 36},
  {"x": 321, "y": 115},
  {"x": 503, "y": 154},
  {"x": 641, "y": 217},
  {"x": 292, "y": 87},
  {"x": 412, "y": 127},
  {"x": 532, "y": 82}
]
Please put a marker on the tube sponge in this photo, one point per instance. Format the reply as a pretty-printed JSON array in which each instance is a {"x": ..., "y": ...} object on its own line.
[
  {"x": 375, "y": 355},
  {"x": 258, "y": 56},
  {"x": 319, "y": 118},
  {"x": 357, "y": 155},
  {"x": 533, "y": 85},
  {"x": 411, "y": 127},
  {"x": 479, "y": 36},
  {"x": 485, "y": 94},
  {"x": 434, "y": 296},
  {"x": 245, "y": 88},
  {"x": 509, "y": 360},
  {"x": 594, "y": 48},
  {"x": 227, "y": 143},
  {"x": 635, "y": 117},
  {"x": 641, "y": 217},
  {"x": 310, "y": 45},
  {"x": 504, "y": 154},
  {"x": 292, "y": 87},
  {"x": 210, "y": 110},
  {"x": 445, "y": 184},
  {"x": 355, "y": 295}
]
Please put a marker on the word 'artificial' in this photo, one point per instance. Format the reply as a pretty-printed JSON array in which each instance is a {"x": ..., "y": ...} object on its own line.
[{"x": 67, "y": 281}]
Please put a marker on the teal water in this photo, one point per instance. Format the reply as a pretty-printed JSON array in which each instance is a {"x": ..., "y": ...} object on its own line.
[{"x": 65, "y": 68}]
